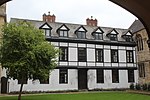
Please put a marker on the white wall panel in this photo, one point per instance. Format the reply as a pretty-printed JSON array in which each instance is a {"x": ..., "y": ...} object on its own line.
[
  {"x": 122, "y": 55},
  {"x": 81, "y": 45},
  {"x": 106, "y": 46},
  {"x": 73, "y": 63},
  {"x": 63, "y": 63},
  {"x": 107, "y": 57},
  {"x": 115, "y": 64},
  {"x": 63, "y": 44},
  {"x": 82, "y": 63},
  {"x": 90, "y": 64},
  {"x": 121, "y": 47},
  {"x": 99, "y": 64},
  {"x": 107, "y": 64},
  {"x": 99, "y": 46},
  {"x": 114, "y": 47},
  {"x": 91, "y": 45},
  {"x": 73, "y": 54},
  {"x": 90, "y": 54},
  {"x": 55, "y": 43},
  {"x": 73, "y": 44}
]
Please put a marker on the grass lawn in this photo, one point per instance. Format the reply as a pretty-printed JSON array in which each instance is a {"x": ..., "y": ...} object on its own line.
[{"x": 83, "y": 96}]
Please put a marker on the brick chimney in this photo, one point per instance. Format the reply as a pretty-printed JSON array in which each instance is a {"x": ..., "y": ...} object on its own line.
[
  {"x": 49, "y": 18},
  {"x": 91, "y": 22}
]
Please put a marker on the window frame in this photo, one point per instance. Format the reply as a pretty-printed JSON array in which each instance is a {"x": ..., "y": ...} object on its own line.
[
  {"x": 113, "y": 37},
  {"x": 141, "y": 69},
  {"x": 99, "y": 55},
  {"x": 129, "y": 56},
  {"x": 116, "y": 59},
  {"x": 115, "y": 75},
  {"x": 98, "y": 36},
  {"x": 100, "y": 75},
  {"x": 131, "y": 78},
  {"x": 65, "y": 55},
  {"x": 139, "y": 42},
  {"x": 81, "y": 34},
  {"x": 62, "y": 75},
  {"x": 82, "y": 58},
  {"x": 63, "y": 32}
]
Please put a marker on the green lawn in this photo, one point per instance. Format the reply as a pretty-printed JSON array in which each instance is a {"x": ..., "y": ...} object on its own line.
[{"x": 83, "y": 96}]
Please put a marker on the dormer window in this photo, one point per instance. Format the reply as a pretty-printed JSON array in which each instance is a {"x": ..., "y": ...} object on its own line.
[
  {"x": 47, "y": 29},
  {"x": 63, "y": 31},
  {"x": 81, "y": 32},
  {"x": 98, "y": 34},
  {"x": 113, "y": 35},
  {"x": 127, "y": 36}
]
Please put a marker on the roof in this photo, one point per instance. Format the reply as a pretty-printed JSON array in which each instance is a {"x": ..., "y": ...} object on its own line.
[
  {"x": 74, "y": 27},
  {"x": 136, "y": 26}
]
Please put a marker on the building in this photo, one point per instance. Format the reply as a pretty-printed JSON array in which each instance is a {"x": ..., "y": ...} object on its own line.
[
  {"x": 2, "y": 22},
  {"x": 143, "y": 54},
  {"x": 93, "y": 57}
]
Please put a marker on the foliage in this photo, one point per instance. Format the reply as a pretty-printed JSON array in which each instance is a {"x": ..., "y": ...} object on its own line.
[
  {"x": 138, "y": 86},
  {"x": 144, "y": 86},
  {"x": 148, "y": 86},
  {"x": 132, "y": 86},
  {"x": 25, "y": 53}
]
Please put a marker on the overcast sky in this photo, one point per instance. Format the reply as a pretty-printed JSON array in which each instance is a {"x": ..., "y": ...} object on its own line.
[{"x": 107, "y": 13}]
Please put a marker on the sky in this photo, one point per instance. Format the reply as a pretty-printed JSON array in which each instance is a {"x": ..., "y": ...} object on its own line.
[{"x": 107, "y": 13}]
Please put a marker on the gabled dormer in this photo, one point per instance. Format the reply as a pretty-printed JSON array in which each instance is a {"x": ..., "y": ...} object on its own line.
[
  {"x": 81, "y": 32},
  {"x": 112, "y": 35},
  {"x": 127, "y": 36},
  {"x": 63, "y": 31},
  {"x": 98, "y": 34},
  {"x": 47, "y": 29}
]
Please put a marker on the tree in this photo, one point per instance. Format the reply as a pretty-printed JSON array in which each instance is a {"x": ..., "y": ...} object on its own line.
[{"x": 25, "y": 53}]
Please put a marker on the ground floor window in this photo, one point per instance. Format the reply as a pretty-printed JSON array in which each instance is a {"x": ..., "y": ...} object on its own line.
[
  {"x": 100, "y": 75},
  {"x": 130, "y": 75},
  {"x": 115, "y": 76},
  {"x": 141, "y": 70},
  {"x": 63, "y": 76}
]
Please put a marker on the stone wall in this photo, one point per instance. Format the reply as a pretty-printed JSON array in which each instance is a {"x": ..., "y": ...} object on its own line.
[{"x": 143, "y": 56}]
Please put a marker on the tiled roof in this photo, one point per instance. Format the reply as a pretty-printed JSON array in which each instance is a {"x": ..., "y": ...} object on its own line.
[
  {"x": 74, "y": 27},
  {"x": 136, "y": 26}
]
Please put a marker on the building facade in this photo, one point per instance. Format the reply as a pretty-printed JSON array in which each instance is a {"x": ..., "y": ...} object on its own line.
[
  {"x": 143, "y": 53},
  {"x": 92, "y": 57}
]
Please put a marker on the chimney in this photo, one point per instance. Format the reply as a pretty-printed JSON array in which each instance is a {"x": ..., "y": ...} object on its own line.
[
  {"x": 91, "y": 22},
  {"x": 49, "y": 18}
]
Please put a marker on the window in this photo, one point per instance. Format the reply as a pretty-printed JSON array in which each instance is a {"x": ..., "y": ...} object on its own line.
[
  {"x": 128, "y": 39},
  {"x": 98, "y": 36},
  {"x": 100, "y": 76},
  {"x": 64, "y": 54},
  {"x": 130, "y": 75},
  {"x": 99, "y": 55},
  {"x": 141, "y": 70},
  {"x": 113, "y": 37},
  {"x": 63, "y": 33},
  {"x": 44, "y": 81},
  {"x": 114, "y": 56},
  {"x": 115, "y": 76},
  {"x": 47, "y": 32},
  {"x": 129, "y": 56},
  {"x": 81, "y": 54},
  {"x": 63, "y": 76},
  {"x": 47, "y": 29},
  {"x": 81, "y": 34},
  {"x": 139, "y": 41}
]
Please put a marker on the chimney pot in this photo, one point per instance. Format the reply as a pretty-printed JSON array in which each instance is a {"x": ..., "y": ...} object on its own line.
[{"x": 91, "y": 22}]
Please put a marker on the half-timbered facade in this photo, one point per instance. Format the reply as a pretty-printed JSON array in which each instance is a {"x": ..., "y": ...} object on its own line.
[{"x": 92, "y": 57}]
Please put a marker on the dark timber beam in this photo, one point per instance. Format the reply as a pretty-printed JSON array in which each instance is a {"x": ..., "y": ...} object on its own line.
[{"x": 140, "y": 8}]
